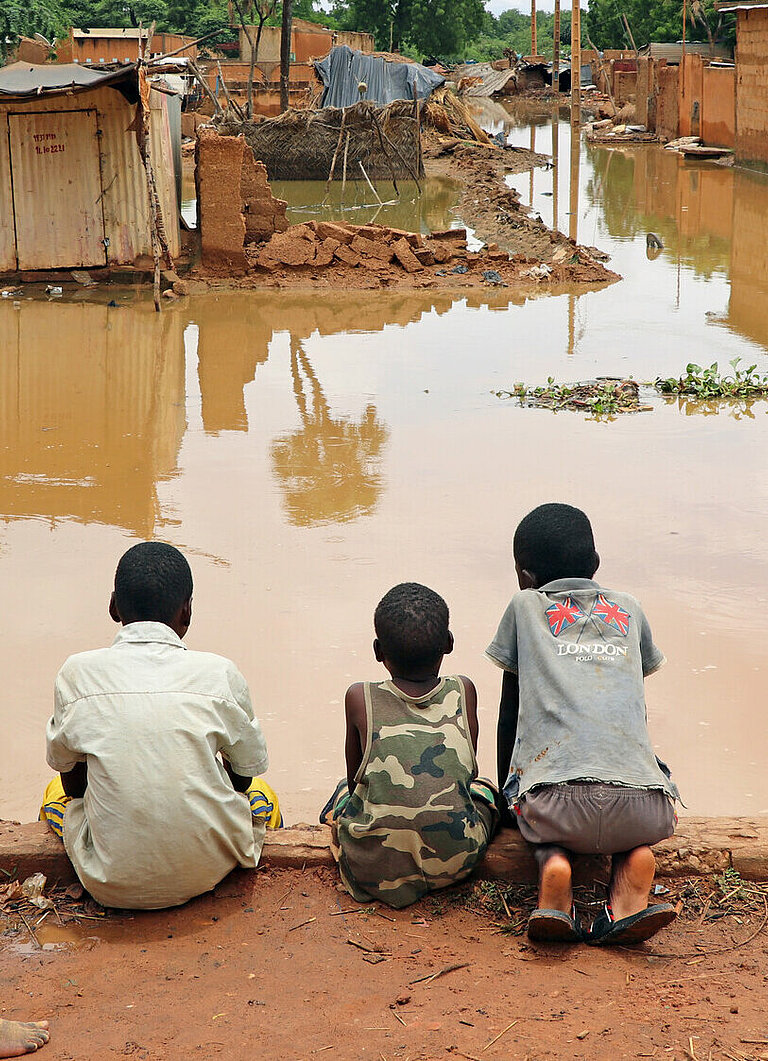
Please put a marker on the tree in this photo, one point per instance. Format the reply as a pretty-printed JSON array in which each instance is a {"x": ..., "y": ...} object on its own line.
[
  {"x": 655, "y": 20},
  {"x": 23, "y": 18},
  {"x": 432, "y": 27}
]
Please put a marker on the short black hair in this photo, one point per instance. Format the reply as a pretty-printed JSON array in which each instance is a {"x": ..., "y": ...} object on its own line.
[
  {"x": 411, "y": 623},
  {"x": 153, "y": 580},
  {"x": 555, "y": 541}
]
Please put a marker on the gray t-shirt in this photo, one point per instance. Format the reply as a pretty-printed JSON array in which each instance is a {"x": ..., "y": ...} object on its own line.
[{"x": 580, "y": 653}]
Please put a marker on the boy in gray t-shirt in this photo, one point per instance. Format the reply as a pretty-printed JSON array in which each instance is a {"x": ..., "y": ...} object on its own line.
[{"x": 572, "y": 740}]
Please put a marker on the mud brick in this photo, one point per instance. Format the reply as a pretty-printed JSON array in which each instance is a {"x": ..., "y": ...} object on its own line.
[
  {"x": 373, "y": 248},
  {"x": 497, "y": 256},
  {"x": 325, "y": 251},
  {"x": 302, "y": 232},
  {"x": 329, "y": 230},
  {"x": 374, "y": 232},
  {"x": 406, "y": 257},
  {"x": 413, "y": 238},
  {"x": 441, "y": 252},
  {"x": 452, "y": 235},
  {"x": 347, "y": 255},
  {"x": 424, "y": 255},
  {"x": 374, "y": 265}
]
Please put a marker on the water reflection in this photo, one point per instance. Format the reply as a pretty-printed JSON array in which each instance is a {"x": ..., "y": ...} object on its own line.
[
  {"x": 330, "y": 468},
  {"x": 91, "y": 411}
]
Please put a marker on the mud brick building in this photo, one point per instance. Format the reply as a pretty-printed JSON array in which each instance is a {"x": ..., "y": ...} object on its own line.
[{"x": 751, "y": 147}]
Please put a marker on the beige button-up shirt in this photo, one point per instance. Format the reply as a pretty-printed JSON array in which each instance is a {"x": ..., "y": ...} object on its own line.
[{"x": 160, "y": 821}]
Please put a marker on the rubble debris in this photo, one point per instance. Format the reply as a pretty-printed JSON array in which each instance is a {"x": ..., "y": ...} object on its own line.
[
  {"x": 604, "y": 396},
  {"x": 235, "y": 204}
]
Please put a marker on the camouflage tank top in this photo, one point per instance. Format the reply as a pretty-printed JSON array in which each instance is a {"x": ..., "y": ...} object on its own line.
[{"x": 411, "y": 824}]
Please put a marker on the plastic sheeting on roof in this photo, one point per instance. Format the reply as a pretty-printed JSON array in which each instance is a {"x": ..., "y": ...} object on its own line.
[
  {"x": 24, "y": 80},
  {"x": 343, "y": 68}
]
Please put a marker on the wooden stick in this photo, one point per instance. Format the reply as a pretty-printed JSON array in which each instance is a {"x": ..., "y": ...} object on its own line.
[
  {"x": 496, "y": 1039},
  {"x": 362, "y": 167},
  {"x": 344, "y": 171},
  {"x": 303, "y": 923},
  {"x": 31, "y": 931},
  {"x": 205, "y": 86},
  {"x": 397, "y": 1016},
  {"x": 427, "y": 980}
]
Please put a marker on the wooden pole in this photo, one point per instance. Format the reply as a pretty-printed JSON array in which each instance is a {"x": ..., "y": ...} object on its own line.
[
  {"x": 534, "y": 40},
  {"x": 682, "y": 57},
  {"x": 555, "y": 169},
  {"x": 573, "y": 225},
  {"x": 285, "y": 54},
  {"x": 575, "y": 63},
  {"x": 556, "y": 50}
]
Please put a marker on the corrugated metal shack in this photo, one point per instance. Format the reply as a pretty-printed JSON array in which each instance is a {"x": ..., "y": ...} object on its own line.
[{"x": 73, "y": 188}]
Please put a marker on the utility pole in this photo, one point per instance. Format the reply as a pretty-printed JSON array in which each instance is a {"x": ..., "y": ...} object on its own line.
[
  {"x": 285, "y": 54},
  {"x": 534, "y": 41},
  {"x": 556, "y": 50},
  {"x": 575, "y": 63}
]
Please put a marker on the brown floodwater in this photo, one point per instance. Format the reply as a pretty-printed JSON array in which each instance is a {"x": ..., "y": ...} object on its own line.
[{"x": 307, "y": 452}]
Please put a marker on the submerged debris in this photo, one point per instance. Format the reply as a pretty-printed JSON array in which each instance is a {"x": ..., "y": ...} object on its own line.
[{"x": 604, "y": 396}]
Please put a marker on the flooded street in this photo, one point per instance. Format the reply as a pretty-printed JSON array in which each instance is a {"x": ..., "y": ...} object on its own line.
[{"x": 309, "y": 452}]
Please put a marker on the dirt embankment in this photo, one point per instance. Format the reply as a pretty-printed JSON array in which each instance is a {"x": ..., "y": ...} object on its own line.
[{"x": 282, "y": 965}]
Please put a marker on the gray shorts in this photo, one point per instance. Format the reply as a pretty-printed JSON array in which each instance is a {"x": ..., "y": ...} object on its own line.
[{"x": 591, "y": 818}]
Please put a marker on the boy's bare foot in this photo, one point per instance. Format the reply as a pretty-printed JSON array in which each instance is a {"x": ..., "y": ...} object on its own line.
[
  {"x": 555, "y": 891},
  {"x": 631, "y": 882},
  {"x": 17, "y": 1037}
]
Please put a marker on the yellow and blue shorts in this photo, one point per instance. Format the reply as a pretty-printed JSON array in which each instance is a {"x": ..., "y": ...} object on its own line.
[{"x": 261, "y": 796}]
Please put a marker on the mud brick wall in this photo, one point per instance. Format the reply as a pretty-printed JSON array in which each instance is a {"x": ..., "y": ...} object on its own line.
[
  {"x": 624, "y": 86},
  {"x": 752, "y": 88},
  {"x": 235, "y": 205},
  {"x": 718, "y": 117},
  {"x": 748, "y": 304},
  {"x": 666, "y": 102},
  {"x": 644, "y": 90}
]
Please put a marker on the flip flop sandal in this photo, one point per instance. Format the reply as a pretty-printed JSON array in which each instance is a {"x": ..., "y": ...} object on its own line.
[
  {"x": 634, "y": 929},
  {"x": 553, "y": 926}
]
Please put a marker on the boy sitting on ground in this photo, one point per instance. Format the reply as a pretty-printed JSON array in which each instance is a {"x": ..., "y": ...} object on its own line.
[
  {"x": 573, "y": 743},
  {"x": 411, "y": 815},
  {"x": 157, "y": 748}
]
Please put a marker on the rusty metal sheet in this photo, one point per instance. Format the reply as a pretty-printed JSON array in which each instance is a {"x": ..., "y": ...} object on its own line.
[
  {"x": 7, "y": 227},
  {"x": 57, "y": 190}
]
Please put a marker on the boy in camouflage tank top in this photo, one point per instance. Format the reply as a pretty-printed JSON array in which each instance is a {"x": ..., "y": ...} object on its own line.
[{"x": 411, "y": 815}]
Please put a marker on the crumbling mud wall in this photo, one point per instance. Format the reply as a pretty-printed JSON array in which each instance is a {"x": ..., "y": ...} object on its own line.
[
  {"x": 235, "y": 205},
  {"x": 667, "y": 103},
  {"x": 752, "y": 88}
]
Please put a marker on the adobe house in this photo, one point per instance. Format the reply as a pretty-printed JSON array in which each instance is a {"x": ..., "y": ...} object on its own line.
[
  {"x": 751, "y": 147},
  {"x": 73, "y": 188},
  {"x": 102, "y": 46}
]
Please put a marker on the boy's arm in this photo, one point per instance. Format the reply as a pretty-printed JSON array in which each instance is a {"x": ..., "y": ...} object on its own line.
[
  {"x": 506, "y": 730},
  {"x": 470, "y": 703},
  {"x": 75, "y": 781},
  {"x": 357, "y": 731},
  {"x": 239, "y": 782}
]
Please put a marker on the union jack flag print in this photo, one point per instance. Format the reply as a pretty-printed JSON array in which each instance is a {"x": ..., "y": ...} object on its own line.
[
  {"x": 611, "y": 614},
  {"x": 562, "y": 615}
]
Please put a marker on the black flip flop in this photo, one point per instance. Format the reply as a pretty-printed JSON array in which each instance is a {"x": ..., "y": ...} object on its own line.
[
  {"x": 634, "y": 929},
  {"x": 553, "y": 926}
]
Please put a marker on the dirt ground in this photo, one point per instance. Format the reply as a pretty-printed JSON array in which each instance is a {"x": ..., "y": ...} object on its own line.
[{"x": 281, "y": 964}]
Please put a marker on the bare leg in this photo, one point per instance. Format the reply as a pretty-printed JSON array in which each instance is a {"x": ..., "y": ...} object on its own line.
[
  {"x": 17, "y": 1038},
  {"x": 555, "y": 891},
  {"x": 631, "y": 880}
]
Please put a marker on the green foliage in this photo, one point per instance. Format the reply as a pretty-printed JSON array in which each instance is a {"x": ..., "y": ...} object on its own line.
[
  {"x": 707, "y": 383},
  {"x": 431, "y": 27},
  {"x": 658, "y": 21},
  {"x": 23, "y": 18}
]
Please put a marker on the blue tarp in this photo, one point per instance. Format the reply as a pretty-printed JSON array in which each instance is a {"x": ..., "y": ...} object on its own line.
[{"x": 343, "y": 69}]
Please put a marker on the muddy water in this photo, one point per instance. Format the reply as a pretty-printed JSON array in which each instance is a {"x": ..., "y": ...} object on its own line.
[{"x": 308, "y": 453}]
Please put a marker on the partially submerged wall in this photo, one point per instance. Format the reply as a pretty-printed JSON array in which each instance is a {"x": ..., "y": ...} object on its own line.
[
  {"x": 235, "y": 205},
  {"x": 718, "y": 118},
  {"x": 752, "y": 88}
]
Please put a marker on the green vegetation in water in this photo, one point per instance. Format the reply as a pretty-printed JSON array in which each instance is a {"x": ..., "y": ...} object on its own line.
[
  {"x": 607, "y": 396},
  {"x": 708, "y": 383},
  {"x": 602, "y": 397}
]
